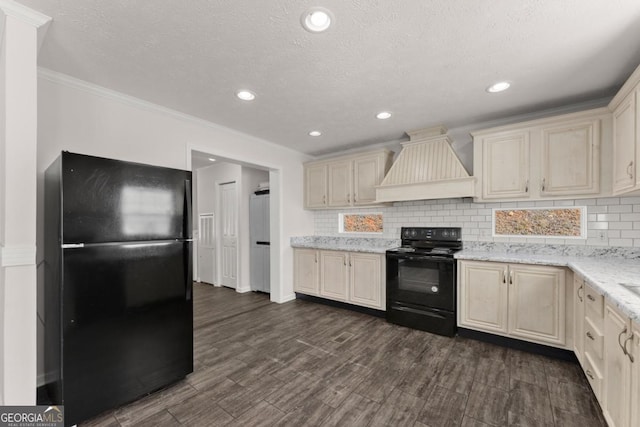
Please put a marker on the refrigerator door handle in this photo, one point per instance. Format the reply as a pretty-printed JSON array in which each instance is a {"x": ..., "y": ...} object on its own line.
[
  {"x": 187, "y": 200},
  {"x": 72, "y": 245},
  {"x": 189, "y": 270}
]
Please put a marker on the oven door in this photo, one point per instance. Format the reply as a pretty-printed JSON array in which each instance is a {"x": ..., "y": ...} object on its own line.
[{"x": 415, "y": 280}]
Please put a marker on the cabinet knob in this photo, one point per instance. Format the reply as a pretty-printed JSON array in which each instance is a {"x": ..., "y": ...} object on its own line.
[
  {"x": 581, "y": 288},
  {"x": 544, "y": 183},
  {"x": 630, "y": 169},
  {"x": 526, "y": 187},
  {"x": 590, "y": 374},
  {"x": 591, "y": 298},
  {"x": 590, "y": 336}
]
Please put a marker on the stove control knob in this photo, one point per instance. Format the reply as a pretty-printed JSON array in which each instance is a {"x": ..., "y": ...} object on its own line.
[
  {"x": 445, "y": 233},
  {"x": 414, "y": 233},
  {"x": 434, "y": 289}
]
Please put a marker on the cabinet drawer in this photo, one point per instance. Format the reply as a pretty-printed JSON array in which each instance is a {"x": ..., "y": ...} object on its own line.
[
  {"x": 593, "y": 341},
  {"x": 594, "y": 306},
  {"x": 594, "y": 377}
]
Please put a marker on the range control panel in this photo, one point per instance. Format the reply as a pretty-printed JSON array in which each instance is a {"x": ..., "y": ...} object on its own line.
[{"x": 450, "y": 234}]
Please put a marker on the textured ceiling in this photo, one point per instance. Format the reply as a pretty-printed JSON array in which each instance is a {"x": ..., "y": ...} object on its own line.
[{"x": 426, "y": 61}]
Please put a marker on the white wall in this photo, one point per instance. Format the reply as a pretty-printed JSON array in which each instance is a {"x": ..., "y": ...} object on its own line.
[{"x": 79, "y": 117}]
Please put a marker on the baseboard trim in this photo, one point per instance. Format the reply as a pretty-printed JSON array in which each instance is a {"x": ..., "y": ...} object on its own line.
[
  {"x": 543, "y": 350},
  {"x": 339, "y": 304}
]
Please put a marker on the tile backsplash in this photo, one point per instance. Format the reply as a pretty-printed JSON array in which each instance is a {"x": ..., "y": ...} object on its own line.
[{"x": 611, "y": 221}]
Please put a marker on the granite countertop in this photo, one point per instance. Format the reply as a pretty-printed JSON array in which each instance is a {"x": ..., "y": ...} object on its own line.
[
  {"x": 605, "y": 274},
  {"x": 349, "y": 244}
]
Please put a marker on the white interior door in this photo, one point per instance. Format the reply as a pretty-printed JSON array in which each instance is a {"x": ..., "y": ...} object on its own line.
[
  {"x": 229, "y": 219},
  {"x": 206, "y": 249}
]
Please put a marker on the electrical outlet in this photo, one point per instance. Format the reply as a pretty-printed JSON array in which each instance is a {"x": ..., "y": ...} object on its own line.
[{"x": 602, "y": 236}]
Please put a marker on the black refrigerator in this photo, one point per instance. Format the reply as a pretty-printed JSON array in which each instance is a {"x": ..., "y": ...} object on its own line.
[{"x": 118, "y": 282}]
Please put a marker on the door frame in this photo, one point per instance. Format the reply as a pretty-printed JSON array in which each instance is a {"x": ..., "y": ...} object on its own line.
[{"x": 275, "y": 217}]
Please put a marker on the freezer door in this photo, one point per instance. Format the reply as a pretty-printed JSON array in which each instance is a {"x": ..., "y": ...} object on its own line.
[
  {"x": 113, "y": 201},
  {"x": 127, "y": 321}
]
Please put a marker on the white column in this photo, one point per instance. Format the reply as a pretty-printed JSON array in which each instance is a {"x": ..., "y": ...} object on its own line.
[{"x": 18, "y": 142}]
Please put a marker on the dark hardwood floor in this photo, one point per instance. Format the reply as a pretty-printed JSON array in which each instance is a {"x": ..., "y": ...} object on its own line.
[{"x": 306, "y": 364}]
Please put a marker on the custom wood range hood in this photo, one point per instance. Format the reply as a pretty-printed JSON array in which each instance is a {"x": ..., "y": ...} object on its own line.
[{"x": 426, "y": 168}]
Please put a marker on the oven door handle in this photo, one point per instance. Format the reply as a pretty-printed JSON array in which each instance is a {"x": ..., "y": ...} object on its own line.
[{"x": 422, "y": 258}]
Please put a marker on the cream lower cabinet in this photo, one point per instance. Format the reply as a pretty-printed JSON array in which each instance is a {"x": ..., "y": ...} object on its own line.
[
  {"x": 333, "y": 275},
  {"x": 634, "y": 351},
  {"x": 515, "y": 300},
  {"x": 306, "y": 274},
  {"x": 620, "y": 344},
  {"x": 353, "y": 277},
  {"x": 578, "y": 317}
]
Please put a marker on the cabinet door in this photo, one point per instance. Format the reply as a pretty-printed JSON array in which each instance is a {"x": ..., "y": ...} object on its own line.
[
  {"x": 333, "y": 275},
  {"x": 537, "y": 303},
  {"x": 624, "y": 145},
  {"x": 340, "y": 185},
  {"x": 367, "y": 173},
  {"x": 617, "y": 370},
  {"x": 505, "y": 166},
  {"x": 483, "y": 299},
  {"x": 579, "y": 142},
  {"x": 634, "y": 349},
  {"x": 365, "y": 279},
  {"x": 306, "y": 273},
  {"x": 315, "y": 188},
  {"x": 578, "y": 317}
]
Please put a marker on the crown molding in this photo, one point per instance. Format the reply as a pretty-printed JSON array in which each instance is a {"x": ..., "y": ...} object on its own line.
[
  {"x": 94, "y": 89},
  {"x": 24, "y": 13},
  {"x": 13, "y": 256}
]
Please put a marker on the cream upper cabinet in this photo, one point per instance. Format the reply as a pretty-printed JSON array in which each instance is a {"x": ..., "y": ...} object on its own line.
[
  {"x": 617, "y": 369},
  {"x": 345, "y": 181},
  {"x": 505, "y": 160},
  {"x": 527, "y": 302},
  {"x": 315, "y": 186},
  {"x": 625, "y": 145},
  {"x": 571, "y": 159},
  {"x": 333, "y": 275},
  {"x": 537, "y": 303},
  {"x": 551, "y": 158},
  {"x": 306, "y": 275},
  {"x": 483, "y": 296},
  {"x": 626, "y": 136},
  {"x": 365, "y": 280},
  {"x": 368, "y": 172},
  {"x": 340, "y": 185}
]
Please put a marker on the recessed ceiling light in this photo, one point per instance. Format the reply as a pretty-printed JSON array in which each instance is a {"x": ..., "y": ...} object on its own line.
[
  {"x": 316, "y": 19},
  {"x": 383, "y": 115},
  {"x": 315, "y": 133},
  {"x": 212, "y": 159},
  {"x": 246, "y": 95},
  {"x": 498, "y": 87}
]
